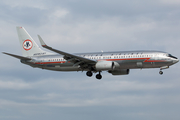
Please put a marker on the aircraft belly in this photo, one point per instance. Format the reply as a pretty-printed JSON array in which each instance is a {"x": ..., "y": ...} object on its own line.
[
  {"x": 161, "y": 64},
  {"x": 59, "y": 68},
  {"x": 129, "y": 64},
  {"x": 136, "y": 64}
]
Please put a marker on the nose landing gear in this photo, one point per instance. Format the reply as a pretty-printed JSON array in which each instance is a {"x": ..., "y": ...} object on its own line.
[
  {"x": 160, "y": 72},
  {"x": 162, "y": 68}
]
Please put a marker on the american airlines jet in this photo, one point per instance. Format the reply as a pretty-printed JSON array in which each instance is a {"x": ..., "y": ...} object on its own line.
[{"x": 116, "y": 63}]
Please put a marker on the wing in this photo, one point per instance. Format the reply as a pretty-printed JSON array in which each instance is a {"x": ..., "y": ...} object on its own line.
[
  {"x": 17, "y": 56},
  {"x": 69, "y": 57}
]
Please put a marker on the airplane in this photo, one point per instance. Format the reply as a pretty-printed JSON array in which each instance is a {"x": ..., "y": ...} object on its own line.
[{"x": 116, "y": 63}]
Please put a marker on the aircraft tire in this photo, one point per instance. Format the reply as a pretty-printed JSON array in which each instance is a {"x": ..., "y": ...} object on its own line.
[
  {"x": 89, "y": 73},
  {"x": 99, "y": 76},
  {"x": 160, "y": 72}
]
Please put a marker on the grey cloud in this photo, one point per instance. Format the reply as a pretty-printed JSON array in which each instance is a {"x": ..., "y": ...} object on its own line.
[
  {"x": 28, "y": 93},
  {"x": 23, "y": 15},
  {"x": 125, "y": 9}
]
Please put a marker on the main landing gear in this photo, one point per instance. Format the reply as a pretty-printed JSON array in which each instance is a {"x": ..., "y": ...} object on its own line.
[
  {"x": 98, "y": 76},
  {"x": 89, "y": 73}
]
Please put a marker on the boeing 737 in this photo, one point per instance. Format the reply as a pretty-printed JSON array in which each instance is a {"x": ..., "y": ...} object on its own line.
[{"x": 116, "y": 63}]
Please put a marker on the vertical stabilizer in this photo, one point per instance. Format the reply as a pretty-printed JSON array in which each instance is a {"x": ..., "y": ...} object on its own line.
[{"x": 28, "y": 45}]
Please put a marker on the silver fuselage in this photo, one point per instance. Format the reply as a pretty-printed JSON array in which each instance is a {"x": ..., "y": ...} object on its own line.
[{"x": 125, "y": 59}]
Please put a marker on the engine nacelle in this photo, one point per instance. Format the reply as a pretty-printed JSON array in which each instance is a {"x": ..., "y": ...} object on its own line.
[
  {"x": 120, "y": 72},
  {"x": 106, "y": 65}
]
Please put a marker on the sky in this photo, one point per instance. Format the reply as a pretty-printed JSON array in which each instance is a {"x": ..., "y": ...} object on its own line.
[{"x": 90, "y": 26}]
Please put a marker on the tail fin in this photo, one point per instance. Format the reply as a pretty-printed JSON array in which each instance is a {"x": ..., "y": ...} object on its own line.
[{"x": 28, "y": 45}]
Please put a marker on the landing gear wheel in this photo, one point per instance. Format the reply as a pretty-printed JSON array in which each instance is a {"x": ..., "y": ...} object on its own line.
[
  {"x": 99, "y": 76},
  {"x": 160, "y": 72},
  {"x": 89, "y": 73}
]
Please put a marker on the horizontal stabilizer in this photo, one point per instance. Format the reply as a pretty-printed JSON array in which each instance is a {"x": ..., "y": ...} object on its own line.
[{"x": 17, "y": 56}]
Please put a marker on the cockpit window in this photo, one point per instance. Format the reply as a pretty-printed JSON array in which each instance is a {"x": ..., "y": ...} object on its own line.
[{"x": 169, "y": 55}]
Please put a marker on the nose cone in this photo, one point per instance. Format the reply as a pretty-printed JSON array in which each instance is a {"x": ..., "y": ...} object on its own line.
[{"x": 175, "y": 61}]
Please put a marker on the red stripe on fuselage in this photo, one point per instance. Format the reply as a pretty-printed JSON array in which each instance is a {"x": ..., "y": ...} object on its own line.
[{"x": 145, "y": 60}]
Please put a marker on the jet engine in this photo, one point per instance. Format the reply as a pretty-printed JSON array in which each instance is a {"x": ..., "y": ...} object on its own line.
[
  {"x": 120, "y": 72},
  {"x": 106, "y": 65}
]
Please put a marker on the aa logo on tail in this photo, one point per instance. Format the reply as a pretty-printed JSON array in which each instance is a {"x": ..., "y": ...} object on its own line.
[{"x": 27, "y": 44}]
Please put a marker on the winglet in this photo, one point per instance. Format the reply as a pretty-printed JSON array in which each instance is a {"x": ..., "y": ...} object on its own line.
[{"x": 41, "y": 41}]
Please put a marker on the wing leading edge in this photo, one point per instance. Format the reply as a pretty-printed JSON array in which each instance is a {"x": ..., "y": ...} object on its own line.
[{"x": 68, "y": 56}]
